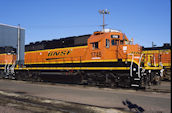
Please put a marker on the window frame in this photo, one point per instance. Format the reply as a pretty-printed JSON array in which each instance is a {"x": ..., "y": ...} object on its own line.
[
  {"x": 95, "y": 45},
  {"x": 107, "y": 43},
  {"x": 115, "y": 42}
]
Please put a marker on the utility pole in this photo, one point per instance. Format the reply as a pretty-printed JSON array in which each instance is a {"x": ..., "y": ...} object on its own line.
[{"x": 104, "y": 12}]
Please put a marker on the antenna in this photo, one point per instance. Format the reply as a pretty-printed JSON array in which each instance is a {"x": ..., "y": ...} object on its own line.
[
  {"x": 104, "y": 12},
  {"x": 153, "y": 45}
]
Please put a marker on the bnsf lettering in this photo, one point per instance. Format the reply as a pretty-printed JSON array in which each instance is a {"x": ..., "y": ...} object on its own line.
[{"x": 57, "y": 53}]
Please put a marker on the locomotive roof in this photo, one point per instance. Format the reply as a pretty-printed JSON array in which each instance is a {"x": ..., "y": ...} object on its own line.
[
  {"x": 111, "y": 30},
  {"x": 165, "y": 46}
]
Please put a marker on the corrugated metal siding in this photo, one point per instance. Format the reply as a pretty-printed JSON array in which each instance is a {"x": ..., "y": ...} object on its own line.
[{"x": 8, "y": 37}]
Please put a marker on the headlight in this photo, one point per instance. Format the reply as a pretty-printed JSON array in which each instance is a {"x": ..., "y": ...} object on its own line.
[{"x": 134, "y": 69}]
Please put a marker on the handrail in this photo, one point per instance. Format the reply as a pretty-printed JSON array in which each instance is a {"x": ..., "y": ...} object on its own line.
[
  {"x": 5, "y": 67},
  {"x": 154, "y": 60},
  {"x": 131, "y": 66},
  {"x": 12, "y": 67},
  {"x": 139, "y": 64}
]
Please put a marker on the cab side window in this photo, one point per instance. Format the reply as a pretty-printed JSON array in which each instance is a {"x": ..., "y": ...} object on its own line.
[
  {"x": 114, "y": 42},
  {"x": 107, "y": 43},
  {"x": 121, "y": 42},
  {"x": 95, "y": 45}
]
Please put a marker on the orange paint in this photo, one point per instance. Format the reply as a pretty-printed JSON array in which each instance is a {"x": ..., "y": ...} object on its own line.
[
  {"x": 7, "y": 58},
  {"x": 97, "y": 49}
]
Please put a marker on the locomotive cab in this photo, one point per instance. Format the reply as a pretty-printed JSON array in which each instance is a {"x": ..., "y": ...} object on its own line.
[{"x": 114, "y": 47}]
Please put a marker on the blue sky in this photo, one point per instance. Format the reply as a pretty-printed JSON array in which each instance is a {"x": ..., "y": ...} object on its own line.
[{"x": 143, "y": 20}]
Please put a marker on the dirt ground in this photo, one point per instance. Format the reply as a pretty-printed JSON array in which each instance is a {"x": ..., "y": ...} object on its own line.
[
  {"x": 16, "y": 103},
  {"x": 28, "y": 97}
]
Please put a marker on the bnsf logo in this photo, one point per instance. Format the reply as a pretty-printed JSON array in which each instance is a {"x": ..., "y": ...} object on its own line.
[{"x": 59, "y": 53}]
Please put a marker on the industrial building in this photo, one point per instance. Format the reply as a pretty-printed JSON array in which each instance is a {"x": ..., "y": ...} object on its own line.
[{"x": 12, "y": 39}]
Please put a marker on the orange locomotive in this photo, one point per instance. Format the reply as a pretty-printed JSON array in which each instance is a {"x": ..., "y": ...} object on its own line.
[
  {"x": 160, "y": 56},
  {"x": 108, "y": 58},
  {"x": 7, "y": 58},
  {"x": 7, "y": 65}
]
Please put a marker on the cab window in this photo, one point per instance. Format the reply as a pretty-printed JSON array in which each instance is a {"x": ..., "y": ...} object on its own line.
[
  {"x": 121, "y": 42},
  {"x": 114, "y": 42},
  {"x": 107, "y": 43},
  {"x": 95, "y": 45}
]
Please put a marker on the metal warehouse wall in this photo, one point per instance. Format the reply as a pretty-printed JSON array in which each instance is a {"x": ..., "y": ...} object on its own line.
[{"x": 9, "y": 35}]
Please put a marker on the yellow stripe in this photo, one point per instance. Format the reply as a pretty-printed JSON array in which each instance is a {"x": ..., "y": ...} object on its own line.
[
  {"x": 57, "y": 49},
  {"x": 4, "y": 54},
  {"x": 83, "y": 68},
  {"x": 153, "y": 68},
  {"x": 156, "y": 51},
  {"x": 74, "y": 68},
  {"x": 84, "y": 61},
  {"x": 167, "y": 67}
]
